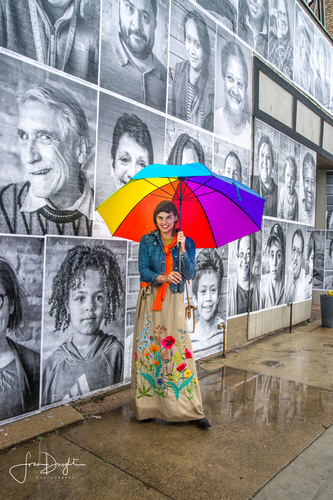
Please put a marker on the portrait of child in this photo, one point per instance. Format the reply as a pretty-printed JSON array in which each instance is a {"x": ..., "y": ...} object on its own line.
[
  {"x": 206, "y": 289},
  {"x": 86, "y": 291},
  {"x": 288, "y": 199}
]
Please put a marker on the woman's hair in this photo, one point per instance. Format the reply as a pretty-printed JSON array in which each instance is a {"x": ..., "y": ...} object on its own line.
[
  {"x": 199, "y": 86},
  {"x": 185, "y": 141},
  {"x": 14, "y": 291},
  {"x": 311, "y": 245},
  {"x": 71, "y": 274},
  {"x": 291, "y": 160},
  {"x": 243, "y": 13},
  {"x": 232, "y": 49},
  {"x": 167, "y": 207},
  {"x": 208, "y": 260},
  {"x": 266, "y": 140},
  {"x": 137, "y": 130}
]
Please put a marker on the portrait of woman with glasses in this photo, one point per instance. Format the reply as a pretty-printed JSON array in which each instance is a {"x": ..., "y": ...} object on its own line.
[{"x": 19, "y": 365}]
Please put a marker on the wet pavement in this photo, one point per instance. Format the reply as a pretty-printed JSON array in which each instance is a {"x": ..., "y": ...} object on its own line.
[{"x": 267, "y": 403}]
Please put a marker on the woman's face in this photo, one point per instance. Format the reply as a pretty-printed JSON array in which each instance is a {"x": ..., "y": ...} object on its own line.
[
  {"x": 130, "y": 158},
  {"x": 5, "y": 311},
  {"x": 193, "y": 47},
  {"x": 189, "y": 155},
  {"x": 87, "y": 303},
  {"x": 208, "y": 295},
  {"x": 275, "y": 260},
  {"x": 311, "y": 262},
  {"x": 265, "y": 163},
  {"x": 235, "y": 89}
]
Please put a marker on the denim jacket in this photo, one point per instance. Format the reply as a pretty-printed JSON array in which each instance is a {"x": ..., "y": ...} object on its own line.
[{"x": 152, "y": 259}]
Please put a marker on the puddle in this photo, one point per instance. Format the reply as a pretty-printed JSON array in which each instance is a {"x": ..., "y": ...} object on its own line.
[{"x": 272, "y": 364}]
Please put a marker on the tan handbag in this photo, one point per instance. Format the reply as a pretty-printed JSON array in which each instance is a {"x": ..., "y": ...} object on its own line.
[{"x": 189, "y": 312}]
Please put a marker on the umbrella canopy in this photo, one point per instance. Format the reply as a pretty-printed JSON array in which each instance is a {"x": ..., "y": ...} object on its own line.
[{"x": 214, "y": 210}]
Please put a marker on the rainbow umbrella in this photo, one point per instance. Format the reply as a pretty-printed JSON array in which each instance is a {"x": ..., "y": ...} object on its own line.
[{"x": 214, "y": 210}]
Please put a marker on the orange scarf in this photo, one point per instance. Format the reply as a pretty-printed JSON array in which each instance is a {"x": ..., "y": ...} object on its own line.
[{"x": 168, "y": 268}]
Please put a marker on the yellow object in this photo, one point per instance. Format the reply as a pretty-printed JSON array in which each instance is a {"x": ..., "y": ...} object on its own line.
[{"x": 330, "y": 293}]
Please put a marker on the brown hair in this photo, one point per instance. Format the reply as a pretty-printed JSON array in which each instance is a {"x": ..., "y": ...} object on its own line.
[{"x": 165, "y": 206}]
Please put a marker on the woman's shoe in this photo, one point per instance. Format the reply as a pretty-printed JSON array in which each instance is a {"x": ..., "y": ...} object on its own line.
[{"x": 203, "y": 423}]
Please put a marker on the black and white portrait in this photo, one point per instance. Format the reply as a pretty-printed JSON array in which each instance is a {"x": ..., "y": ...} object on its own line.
[
  {"x": 231, "y": 161},
  {"x": 281, "y": 36},
  {"x": 322, "y": 67},
  {"x": 209, "y": 295},
  {"x": 266, "y": 154},
  {"x": 225, "y": 12},
  {"x": 233, "y": 90},
  {"x": 185, "y": 144},
  {"x": 308, "y": 186},
  {"x": 253, "y": 24},
  {"x": 295, "y": 262},
  {"x": 289, "y": 173},
  {"x": 84, "y": 317},
  {"x": 63, "y": 34},
  {"x": 47, "y": 155},
  {"x": 309, "y": 265},
  {"x": 272, "y": 286},
  {"x": 319, "y": 260},
  {"x": 129, "y": 139},
  {"x": 21, "y": 280},
  {"x": 134, "y": 50},
  {"x": 328, "y": 284},
  {"x": 304, "y": 43},
  {"x": 244, "y": 263},
  {"x": 192, "y": 64}
]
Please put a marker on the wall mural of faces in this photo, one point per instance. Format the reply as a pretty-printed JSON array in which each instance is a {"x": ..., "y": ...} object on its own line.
[
  {"x": 328, "y": 284},
  {"x": 285, "y": 175},
  {"x": 172, "y": 85}
]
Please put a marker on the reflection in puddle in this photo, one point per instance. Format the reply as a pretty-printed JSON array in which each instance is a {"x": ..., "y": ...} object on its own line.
[{"x": 231, "y": 394}]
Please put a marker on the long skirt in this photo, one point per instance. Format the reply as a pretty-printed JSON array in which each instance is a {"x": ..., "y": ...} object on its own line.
[{"x": 164, "y": 381}]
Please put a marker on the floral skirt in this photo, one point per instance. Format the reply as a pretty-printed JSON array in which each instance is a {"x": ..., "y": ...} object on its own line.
[{"x": 164, "y": 381}]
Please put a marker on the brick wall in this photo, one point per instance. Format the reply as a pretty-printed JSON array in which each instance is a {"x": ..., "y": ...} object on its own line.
[{"x": 329, "y": 16}]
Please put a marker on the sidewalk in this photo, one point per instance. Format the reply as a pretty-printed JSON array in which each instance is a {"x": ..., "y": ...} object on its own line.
[{"x": 267, "y": 403}]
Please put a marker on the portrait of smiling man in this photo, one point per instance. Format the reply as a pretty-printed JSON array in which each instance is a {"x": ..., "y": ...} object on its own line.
[
  {"x": 296, "y": 274},
  {"x": 129, "y": 65},
  {"x": 55, "y": 197}
]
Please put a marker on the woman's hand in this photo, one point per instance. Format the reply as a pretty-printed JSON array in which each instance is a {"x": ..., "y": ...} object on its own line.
[
  {"x": 174, "y": 277},
  {"x": 181, "y": 241}
]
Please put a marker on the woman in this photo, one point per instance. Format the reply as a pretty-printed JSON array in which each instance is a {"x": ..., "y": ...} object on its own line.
[
  {"x": 131, "y": 150},
  {"x": 231, "y": 121},
  {"x": 192, "y": 97},
  {"x": 186, "y": 150},
  {"x": 19, "y": 366},
  {"x": 281, "y": 51},
  {"x": 253, "y": 24},
  {"x": 86, "y": 291},
  {"x": 164, "y": 378},
  {"x": 272, "y": 289}
]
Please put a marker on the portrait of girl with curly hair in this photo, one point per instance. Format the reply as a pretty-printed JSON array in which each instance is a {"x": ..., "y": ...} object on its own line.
[{"x": 86, "y": 291}]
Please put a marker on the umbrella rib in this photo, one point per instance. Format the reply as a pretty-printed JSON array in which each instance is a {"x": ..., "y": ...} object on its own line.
[
  {"x": 158, "y": 187},
  {"x": 201, "y": 185},
  {"x": 211, "y": 229}
]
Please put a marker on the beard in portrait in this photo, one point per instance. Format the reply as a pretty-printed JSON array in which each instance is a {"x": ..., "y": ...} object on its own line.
[
  {"x": 232, "y": 122},
  {"x": 129, "y": 65},
  {"x": 56, "y": 198}
]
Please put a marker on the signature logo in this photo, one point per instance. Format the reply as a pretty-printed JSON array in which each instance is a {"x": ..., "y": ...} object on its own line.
[{"x": 50, "y": 466}]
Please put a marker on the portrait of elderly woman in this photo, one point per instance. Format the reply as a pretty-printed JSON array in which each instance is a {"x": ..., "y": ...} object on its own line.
[
  {"x": 192, "y": 96},
  {"x": 86, "y": 291},
  {"x": 273, "y": 283},
  {"x": 232, "y": 120},
  {"x": 264, "y": 183},
  {"x": 253, "y": 24},
  {"x": 304, "y": 41},
  {"x": 281, "y": 50},
  {"x": 307, "y": 205},
  {"x": 131, "y": 150},
  {"x": 185, "y": 150},
  {"x": 19, "y": 365}
]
